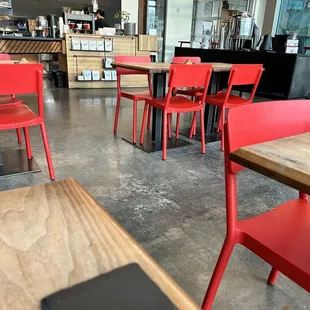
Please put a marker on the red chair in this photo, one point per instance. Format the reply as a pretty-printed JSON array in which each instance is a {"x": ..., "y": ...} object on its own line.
[
  {"x": 281, "y": 236},
  {"x": 21, "y": 116},
  {"x": 192, "y": 92},
  {"x": 239, "y": 75},
  {"x": 9, "y": 100},
  {"x": 180, "y": 76},
  {"x": 135, "y": 96}
]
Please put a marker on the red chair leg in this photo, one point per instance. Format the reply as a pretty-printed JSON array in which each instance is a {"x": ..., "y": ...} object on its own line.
[
  {"x": 149, "y": 118},
  {"x": 177, "y": 133},
  {"x": 222, "y": 126},
  {"x": 273, "y": 277},
  {"x": 134, "y": 125},
  {"x": 164, "y": 155},
  {"x": 169, "y": 121},
  {"x": 203, "y": 137},
  {"x": 218, "y": 274},
  {"x": 28, "y": 145},
  {"x": 219, "y": 125},
  {"x": 118, "y": 105},
  {"x": 19, "y": 135},
  {"x": 47, "y": 151},
  {"x": 193, "y": 127},
  {"x": 143, "y": 124}
]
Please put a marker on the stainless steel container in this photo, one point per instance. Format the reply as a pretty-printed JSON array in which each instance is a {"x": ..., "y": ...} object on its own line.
[
  {"x": 241, "y": 26},
  {"x": 130, "y": 29}
]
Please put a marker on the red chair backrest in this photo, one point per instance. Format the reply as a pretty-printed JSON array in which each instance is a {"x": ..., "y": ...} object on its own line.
[
  {"x": 5, "y": 57},
  {"x": 267, "y": 121},
  {"x": 245, "y": 75},
  {"x": 189, "y": 76},
  {"x": 22, "y": 79},
  {"x": 138, "y": 59},
  {"x": 182, "y": 60}
]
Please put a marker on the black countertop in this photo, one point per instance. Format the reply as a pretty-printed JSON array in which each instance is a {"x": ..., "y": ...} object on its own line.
[{"x": 29, "y": 38}]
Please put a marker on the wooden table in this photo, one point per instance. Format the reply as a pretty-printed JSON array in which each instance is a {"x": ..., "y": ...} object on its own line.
[
  {"x": 285, "y": 160},
  {"x": 159, "y": 71},
  {"x": 55, "y": 235}
]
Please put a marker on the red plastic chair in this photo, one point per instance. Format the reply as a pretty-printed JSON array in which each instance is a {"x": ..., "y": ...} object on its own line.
[
  {"x": 136, "y": 96},
  {"x": 281, "y": 236},
  {"x": 180, "y": 76},
  {"x": 239, "y": 75},
  {"x": 11, "y": 100},
  {"x": 21, "y": 116}
]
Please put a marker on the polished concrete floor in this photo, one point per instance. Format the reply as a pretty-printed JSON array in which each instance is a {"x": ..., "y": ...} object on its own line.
[{"x": 174, "y": 209}]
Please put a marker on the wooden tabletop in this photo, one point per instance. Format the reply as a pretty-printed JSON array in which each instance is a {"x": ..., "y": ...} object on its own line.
[
  {"x": 164, "y": 67},
  {"x": 285, "y": 160},
  {"x": 55, "y": 235}
]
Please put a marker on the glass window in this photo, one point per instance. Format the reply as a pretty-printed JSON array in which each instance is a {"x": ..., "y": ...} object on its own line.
[{"x": 294, "y": 17}]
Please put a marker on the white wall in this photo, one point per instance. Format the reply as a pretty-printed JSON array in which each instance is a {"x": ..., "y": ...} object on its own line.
[
  {"x": 270, "y": 15},
  {"x": 259, "y": 13},
  {"x": 178, "y": 24},
  {"x": 132, "y": 7}
]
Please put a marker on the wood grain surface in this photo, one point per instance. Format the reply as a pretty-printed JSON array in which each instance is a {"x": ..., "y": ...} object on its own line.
[
  {"x": 55, "y": 235},
  {"x": 164, "y": 67},
  {"x": 285, "y": 160}
]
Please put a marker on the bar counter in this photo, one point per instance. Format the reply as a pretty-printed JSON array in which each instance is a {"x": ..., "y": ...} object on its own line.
[{"x": 285, "y": 76}]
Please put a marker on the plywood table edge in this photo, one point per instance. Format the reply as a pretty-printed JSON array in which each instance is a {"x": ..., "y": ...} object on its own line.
[
  {"x": 163, "y": 273},
  {"x": 239, "y": 155},
  {"x": 173, "y": 291}
]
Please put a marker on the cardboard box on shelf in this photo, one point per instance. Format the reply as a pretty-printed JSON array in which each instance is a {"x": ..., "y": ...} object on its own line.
[
  {"x": 87, "y": 75},
  {"x": 96, "y": 75},
  {"x": 107, "y": 75},
  {"x": 85, "y": 45}
]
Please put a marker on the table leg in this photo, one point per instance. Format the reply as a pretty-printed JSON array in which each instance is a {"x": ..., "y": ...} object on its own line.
[{"x": 159, "y": 90}]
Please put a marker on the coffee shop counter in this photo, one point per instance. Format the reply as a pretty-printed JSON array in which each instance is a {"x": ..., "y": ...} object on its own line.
[{"x": 87, "y": 59}]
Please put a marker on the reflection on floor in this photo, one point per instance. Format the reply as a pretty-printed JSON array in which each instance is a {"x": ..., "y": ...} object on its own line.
[{"x": 175, "y": 209}]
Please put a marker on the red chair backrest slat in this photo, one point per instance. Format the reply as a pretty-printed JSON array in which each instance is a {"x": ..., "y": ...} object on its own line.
[
  {"x": 22, "y": 79},
  {"x": 267, "y": 121},
  {"x": 182, "y": 60},
  {"x": 138, "y": 59},
  {"x": 189, "y": 76},
  {"x": 245, "y": 74},
  {"x": 5, "y": 57}
]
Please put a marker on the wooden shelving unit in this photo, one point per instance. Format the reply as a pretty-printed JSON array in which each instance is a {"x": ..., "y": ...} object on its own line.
[{"x": 77, "y": 60}]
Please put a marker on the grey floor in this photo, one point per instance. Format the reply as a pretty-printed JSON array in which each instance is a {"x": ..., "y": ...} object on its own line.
[{"x": 174, "y": 209}]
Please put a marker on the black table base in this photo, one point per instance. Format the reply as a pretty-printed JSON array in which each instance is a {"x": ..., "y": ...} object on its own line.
[
  {"x": 150, "y": 147},
  {"x": 15, "y": 162}
]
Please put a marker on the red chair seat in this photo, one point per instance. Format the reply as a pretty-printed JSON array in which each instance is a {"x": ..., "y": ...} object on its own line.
[
  {"x": 277, "y": 231},
  {"x": 10, "y": 100},
  {"x": 16, "y": 116},
  {"x": 177, "y": 104},
  {"x": 233, "y": 101},
  {"x": 137, "y": 96}
]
